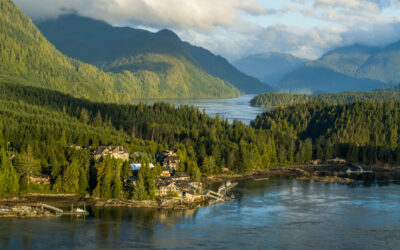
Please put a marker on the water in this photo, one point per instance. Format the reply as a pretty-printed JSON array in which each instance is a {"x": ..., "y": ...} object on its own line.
[
  {"x": 232, "y": 109},
  {"x": 275, "y": 214}
]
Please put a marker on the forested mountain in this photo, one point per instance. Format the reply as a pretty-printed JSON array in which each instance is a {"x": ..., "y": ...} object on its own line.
[
  {"x": 269, "y": 67},
  {"x": 28, "y": 58},
  {"x": 118, "y": 49},
  {"x": 284, "y": 99},
  {"x": 220, "y": 67},
  {"x": 351, "y": 68}
]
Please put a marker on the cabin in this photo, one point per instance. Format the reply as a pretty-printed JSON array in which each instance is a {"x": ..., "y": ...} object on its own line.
[
  {"x": 40, "y": 179},
  {"x": 117, "y": 152}
]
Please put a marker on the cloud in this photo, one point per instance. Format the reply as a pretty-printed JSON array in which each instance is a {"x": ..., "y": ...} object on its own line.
[
  {"x": 235, "y": 28},
  {"x": 183, "y": 14}
]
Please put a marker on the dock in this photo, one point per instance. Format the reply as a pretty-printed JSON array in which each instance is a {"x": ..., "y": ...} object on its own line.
[
  {"x": 58, "y": 211},
  {"x": 359, "y": 171}
]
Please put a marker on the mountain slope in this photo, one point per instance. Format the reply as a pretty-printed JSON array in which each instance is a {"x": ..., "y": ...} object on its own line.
[
  {"x": 269, "y": 67},
  {"x": 349, "y": 67},
  {"x": 116, "y": 49},
  {"x": 220, "y": 67},
  {"x": 28, "y": 58}
]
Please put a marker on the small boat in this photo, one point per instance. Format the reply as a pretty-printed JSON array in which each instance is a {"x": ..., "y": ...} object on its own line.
[{"x": 79, "y": 210}]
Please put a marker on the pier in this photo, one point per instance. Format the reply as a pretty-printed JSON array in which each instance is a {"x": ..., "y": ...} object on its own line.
[
  {"x": 359, "y": 171},
  {"x": 58, "y": 211}
]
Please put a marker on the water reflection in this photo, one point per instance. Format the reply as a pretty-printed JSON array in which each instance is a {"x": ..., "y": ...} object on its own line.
[
  {"x": 279, "y": 213},
  {"x": 231, "y": 109}
]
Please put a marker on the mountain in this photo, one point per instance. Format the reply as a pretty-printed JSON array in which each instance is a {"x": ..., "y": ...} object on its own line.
[
  {"x": 269, "y": 67},
  {"x": 28, "y": 58},
  {"x": 355, "y": 67},
  {"x": 119, "y": 49},
  {"x": 220, "y": 67}
]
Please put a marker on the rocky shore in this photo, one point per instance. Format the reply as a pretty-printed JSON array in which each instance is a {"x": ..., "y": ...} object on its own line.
[
  {"x": 24, "y": 212},
  {"x": 330, "y": 173},
  {"x": 168, "y": 203}
]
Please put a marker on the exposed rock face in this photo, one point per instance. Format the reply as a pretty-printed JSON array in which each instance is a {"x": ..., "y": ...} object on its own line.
[{"x": 23, "y": 212}]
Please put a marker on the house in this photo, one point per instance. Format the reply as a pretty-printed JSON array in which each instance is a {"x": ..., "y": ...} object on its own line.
[
  {"x": 183, "y": 185},
  {"x": 165, "y": 172},
  {"x": 40, "y": 179},
  {"x": 166, "y": 188},
  {"x": 117, "y": 152},
  {"x": 180, "y": 176},
  {"x": 138, "y": 166},
  {"x": 169, "y": 159}
]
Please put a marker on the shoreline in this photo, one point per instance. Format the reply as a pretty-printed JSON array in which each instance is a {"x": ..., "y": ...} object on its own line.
[{"x": 21, "y": 206}]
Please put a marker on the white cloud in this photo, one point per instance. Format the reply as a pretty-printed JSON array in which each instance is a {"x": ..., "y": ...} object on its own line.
[
  {"x": 185, "y": 14},
  {"x": 230, "y": 27}
]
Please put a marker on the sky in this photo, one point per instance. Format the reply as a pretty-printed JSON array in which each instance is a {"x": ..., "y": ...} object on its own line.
[{"x": 238, "y": 28}]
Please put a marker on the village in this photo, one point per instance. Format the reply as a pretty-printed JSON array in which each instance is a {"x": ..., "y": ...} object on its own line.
[{"x": 169, "y": 183}]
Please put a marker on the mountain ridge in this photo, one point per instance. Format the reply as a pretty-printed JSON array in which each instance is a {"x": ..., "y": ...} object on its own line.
[
  {"x": 101, "y": 44},
  {"x": 269, "y": 67}
]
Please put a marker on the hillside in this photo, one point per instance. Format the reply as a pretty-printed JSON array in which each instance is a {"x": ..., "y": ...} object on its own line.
[
  {"x": 355, "y": 67},
  {"x": 28, "y": 58},
  {"x": 269, "y": 67},
  {"x": 115, "y": 49}
]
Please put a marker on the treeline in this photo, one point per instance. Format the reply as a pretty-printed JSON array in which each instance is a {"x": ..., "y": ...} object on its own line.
[
  {"x": 366, "y": 132},
  {"x": 283, "y": 99}
]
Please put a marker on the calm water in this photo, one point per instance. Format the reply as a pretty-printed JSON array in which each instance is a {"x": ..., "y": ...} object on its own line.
[
  {"x": 276, "y": 214},
  {"x": 235, "y": 108}
]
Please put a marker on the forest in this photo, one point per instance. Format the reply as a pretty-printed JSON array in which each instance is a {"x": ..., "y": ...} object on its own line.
[
  {"x": 282, "y": 99},
  {"x": 37, "y": 125}
]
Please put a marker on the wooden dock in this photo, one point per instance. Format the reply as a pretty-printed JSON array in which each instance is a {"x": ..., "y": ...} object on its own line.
[{"x": 58, "y": 211}]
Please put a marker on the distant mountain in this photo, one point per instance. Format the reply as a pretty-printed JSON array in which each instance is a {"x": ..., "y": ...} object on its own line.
[
  {"x": 269, "y": 67},
  {"x": 220, "y": 67},
  {"x": 355, "y": 67},
  {"x": 116, "y": 49},
  {"x": 28, "y": 58}
]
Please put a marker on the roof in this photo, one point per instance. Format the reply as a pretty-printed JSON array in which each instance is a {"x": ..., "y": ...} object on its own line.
[
  {"x": 137, "y": 166},
  {"x": 181, "y": 174}
]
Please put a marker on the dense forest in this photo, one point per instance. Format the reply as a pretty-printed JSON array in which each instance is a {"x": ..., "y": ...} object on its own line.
[
  {"x": 366, "y": 132},
  {"x": 283, "y": 99},
  {"x": 36, "y": 126}
]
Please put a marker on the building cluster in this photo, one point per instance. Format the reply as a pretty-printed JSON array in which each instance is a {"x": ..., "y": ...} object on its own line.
[
  {"x": 117, "y": 152},
  {"x": 171, "y": 182}
]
